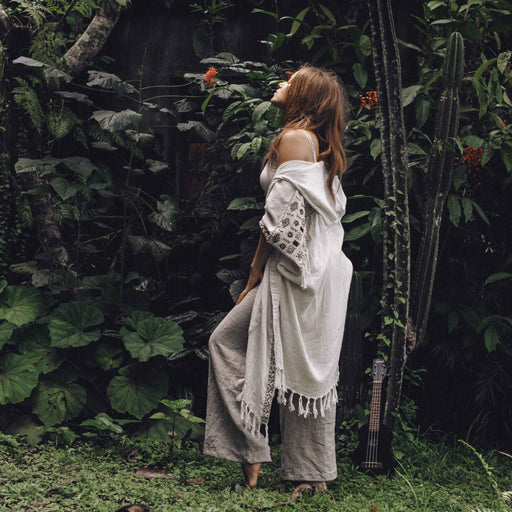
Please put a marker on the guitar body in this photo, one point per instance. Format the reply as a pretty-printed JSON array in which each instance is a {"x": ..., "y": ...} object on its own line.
[{"x": 374, "y": 453}]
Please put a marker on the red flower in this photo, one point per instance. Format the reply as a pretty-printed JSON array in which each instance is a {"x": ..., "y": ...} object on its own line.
[
  {"x": 208, "y": 76},
  {"x": 472, "y": 157},
  {"x": 369, "y": 100}
]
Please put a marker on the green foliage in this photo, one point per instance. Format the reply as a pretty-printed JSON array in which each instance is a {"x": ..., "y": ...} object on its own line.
[
  {"x": 27, "y": 100},
  {"x": 110, "y": 474}
]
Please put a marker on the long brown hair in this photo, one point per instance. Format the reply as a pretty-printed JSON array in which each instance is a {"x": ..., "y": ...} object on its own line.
[{"x": 315, "y": 101}]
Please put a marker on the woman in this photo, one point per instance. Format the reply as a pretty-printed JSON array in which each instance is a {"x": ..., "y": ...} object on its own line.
[{"x": 285, "y": 334}]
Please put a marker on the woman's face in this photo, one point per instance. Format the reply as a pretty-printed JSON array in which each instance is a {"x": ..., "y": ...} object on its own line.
[{"x": 279, "y": 98}]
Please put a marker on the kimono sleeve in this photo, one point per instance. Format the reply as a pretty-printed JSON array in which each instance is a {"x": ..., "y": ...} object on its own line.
[{"x": 284, "y": 227}]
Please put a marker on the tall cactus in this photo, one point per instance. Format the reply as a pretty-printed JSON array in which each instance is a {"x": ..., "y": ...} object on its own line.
[
  {"x": 439, "y": 180},
  {"x": 396, "y": 233}
]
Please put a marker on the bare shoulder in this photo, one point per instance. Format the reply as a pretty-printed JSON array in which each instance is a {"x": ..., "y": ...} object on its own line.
[{"x": 294, "y": 146}]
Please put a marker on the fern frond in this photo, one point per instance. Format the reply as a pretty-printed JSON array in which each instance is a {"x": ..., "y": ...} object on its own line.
[
  {"x": 34, "y": 10},
  {"x": 83, "y": 7},
  {"x": 47, "y": 44},
  {"x": 61, "y": 122},
  {"x": 80, "y": 136},
  {"x": 27, "y": 100}
]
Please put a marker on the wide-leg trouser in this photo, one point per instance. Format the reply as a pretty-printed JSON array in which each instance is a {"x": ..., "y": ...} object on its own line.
[{"x": 309, "y": 452}]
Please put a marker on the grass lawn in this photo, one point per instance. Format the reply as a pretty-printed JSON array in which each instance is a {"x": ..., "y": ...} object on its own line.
[{"x": 101, "y": 475}]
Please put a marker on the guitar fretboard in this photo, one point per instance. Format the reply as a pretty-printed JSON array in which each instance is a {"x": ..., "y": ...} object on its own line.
[{"x": 375, "y": 409}]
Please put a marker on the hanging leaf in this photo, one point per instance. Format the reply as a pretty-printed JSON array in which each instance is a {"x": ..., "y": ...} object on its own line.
[
  {"x": 42, "y": 165},
  {"x": 491, "y": 338},
  {"x": 365, "y": 45},
  {"x": 27, "y": 61},
  {"x": 77, "y": 96},
  {"x": 116, "y": 121},
  {"x": 454, "y": 209},
  {"x": 154, "y": 247},
  {"x": 166, "y": 214},
  {"x": 157, "y": 166},
  {"x": 33, "y": 342},
  {"x": 70, "y": 325},
  {"x": 199, "y": 127},
  {"x": 137, "y": 137},
  {"x": 245, "y": 203},
  {"x": 64, "y": 188},
  {"x": 18, "y": 378},
  {"x": 409, "y": 93},
  {"x": 136, "y": 390},
  {"x": 360, "y": 74},
  {"x": 498, "y": 276},
  {"x": 80, "y": 165},
  {"x": 109, "y": 81},
  {"x": 258, "y": 112},
  {"x": 20, "y": 305},
  {"x": 58, "y": 398},
  {"x": 153, "y": 336}
]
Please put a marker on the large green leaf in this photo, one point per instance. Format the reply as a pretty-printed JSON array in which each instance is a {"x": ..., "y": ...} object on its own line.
[
  {"x": 18, "y": 378},
  {"x": 59, "y": 398},
  {"x": 70, "y": 325},
  {"x": 5, "y": 332},
  {"x": 165, "y": 214},
  {"x": 153, "y": 336},
  {"x": 137, "y": 391},
  {"x": 115, "y": 121},
  {"x": 33, "y": 342},
  {"x": 64, "y": 188},
  {"x": 20, "y": 305},
  {"x": 109, "y": 81}
]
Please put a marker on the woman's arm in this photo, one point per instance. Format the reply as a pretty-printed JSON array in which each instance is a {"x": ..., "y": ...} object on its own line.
[
  {"x": 294, "y": 146},
  {"x": 260, "y": 258}
]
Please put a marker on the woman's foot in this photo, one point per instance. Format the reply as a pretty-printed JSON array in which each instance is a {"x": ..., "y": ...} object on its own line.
[
  {"x": 251, "y": 472},
  {"x": 313, "y": 487}
]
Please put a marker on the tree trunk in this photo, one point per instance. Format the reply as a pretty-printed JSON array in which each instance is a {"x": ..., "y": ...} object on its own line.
[
  {"x": 92, "y": 40},
  {"x": 396, "y": 265}
]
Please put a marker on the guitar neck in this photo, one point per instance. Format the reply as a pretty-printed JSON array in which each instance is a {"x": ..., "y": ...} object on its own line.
[{"x": 375, "y": 408}]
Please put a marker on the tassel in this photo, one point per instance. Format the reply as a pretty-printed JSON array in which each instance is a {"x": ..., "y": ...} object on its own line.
[
  {"x": 281, "y": 397},
  {"x": 302, "y": 411},
  {"x": 291, "y": 407},
  {"x": 308, "y": 412},
  {"x": 315, "y": 412}
]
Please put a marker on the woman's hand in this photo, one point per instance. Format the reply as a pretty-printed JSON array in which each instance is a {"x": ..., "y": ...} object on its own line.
[{"x": 255, "y": 277}]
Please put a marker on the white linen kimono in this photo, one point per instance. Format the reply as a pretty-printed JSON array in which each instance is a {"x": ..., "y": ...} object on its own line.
[{"x": 298, "y": 318}]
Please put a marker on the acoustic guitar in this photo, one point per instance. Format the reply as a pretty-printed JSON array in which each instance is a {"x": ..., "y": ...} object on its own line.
[{"x": 374, "y": 453}]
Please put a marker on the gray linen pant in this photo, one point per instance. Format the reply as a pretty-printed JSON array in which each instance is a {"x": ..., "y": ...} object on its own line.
[{"x": 309, "y": 452}]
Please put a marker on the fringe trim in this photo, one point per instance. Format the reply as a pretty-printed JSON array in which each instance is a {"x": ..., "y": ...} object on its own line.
[{"x": 307, "y": 406}]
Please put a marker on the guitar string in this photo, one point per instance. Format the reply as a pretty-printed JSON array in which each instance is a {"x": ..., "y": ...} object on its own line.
[{"x": 372, "y": 446}]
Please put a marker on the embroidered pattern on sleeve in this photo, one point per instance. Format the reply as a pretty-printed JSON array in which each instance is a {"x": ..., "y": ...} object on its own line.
[{"x": 289, "y": 235}]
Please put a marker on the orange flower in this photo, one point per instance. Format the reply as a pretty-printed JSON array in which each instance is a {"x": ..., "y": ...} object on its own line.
[
  {"x": 369, "y": 99},
  {"x": 208, "y": 76},
  {"x": 373, "y": 508},
  {"x": 472, "y": 157}
]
